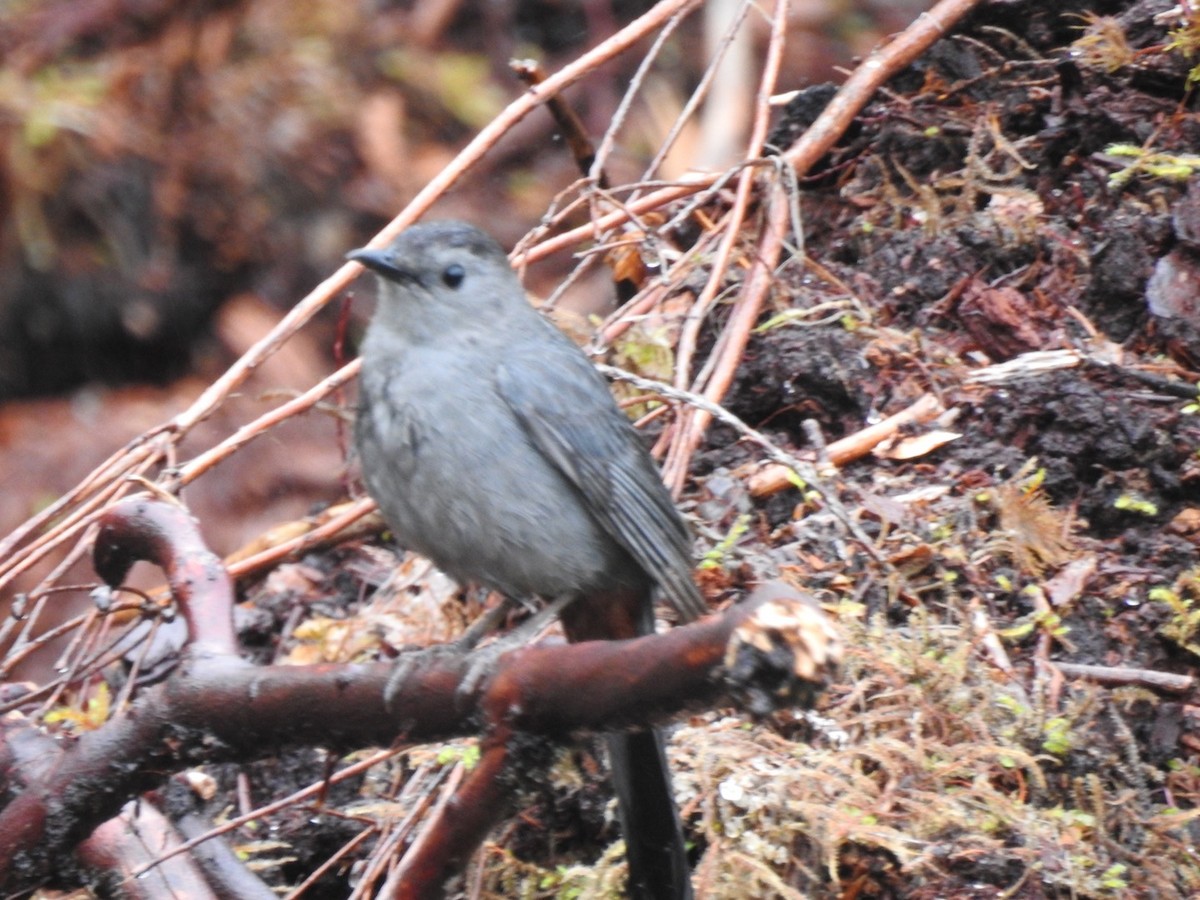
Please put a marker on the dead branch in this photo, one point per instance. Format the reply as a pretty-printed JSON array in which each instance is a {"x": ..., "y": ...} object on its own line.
[
  {"x": 570, "y": 126},
  {"x": 775, "y": 477},
  {"x": 50, "y": 528},
  {"x": 761, "y": 654},
  {"x": 137, "y": 851},
  {"x": 1122, "y": 676},
  {"x": 873, "y": 72},
  {"x": 870, "y": 75}
]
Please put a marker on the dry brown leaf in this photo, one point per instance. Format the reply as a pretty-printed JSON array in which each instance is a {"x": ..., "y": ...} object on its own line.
[
  {"x": 917, "y": 445},
  {"x": 1070, "y": 582}
]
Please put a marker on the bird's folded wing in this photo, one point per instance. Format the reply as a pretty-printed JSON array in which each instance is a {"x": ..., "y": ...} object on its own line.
[{"x": 574, "y": 424}]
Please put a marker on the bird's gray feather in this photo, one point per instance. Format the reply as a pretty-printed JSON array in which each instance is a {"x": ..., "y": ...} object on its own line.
[{"x": 595, "y": 446}]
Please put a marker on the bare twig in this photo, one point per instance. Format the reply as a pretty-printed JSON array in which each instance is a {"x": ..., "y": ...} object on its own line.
[
  {"x": 1121, "y": 676},
  {"x": 734, "y": 339},
  {"x": 105, "y": 484},
  {"x": 773, "y": 479},
  {"x": 200, "y": 464},
  {"x": 785, "y": 461},
  {"x": 867, "y": 77}
]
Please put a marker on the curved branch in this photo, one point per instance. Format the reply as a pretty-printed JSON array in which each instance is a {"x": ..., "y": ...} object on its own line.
[{"x": 769, "y": 651}]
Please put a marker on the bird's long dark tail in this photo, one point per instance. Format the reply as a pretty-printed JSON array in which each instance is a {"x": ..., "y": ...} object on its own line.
[{"x": 654, "y": 848}]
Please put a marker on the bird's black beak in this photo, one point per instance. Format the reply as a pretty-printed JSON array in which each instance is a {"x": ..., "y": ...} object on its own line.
[{"x": 381, "y": 261}]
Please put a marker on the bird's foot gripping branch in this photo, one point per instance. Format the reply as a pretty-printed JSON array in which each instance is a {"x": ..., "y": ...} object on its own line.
[{"x": 772, "y": 650}]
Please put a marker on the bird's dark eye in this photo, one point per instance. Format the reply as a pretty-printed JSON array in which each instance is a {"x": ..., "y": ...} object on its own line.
[{"x": 453, "y": 275}]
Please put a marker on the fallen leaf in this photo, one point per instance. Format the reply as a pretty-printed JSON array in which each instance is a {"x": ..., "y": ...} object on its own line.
[{"x": 917, "y": 445}]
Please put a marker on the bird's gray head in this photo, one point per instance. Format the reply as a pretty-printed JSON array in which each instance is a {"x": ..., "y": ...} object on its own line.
[{"x": 442, "y": 275}]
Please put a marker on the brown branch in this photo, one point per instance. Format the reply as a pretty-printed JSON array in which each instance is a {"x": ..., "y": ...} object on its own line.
[
  {"x": 737, "y": 332},
  {"x": 522, "y": 699},
  {"x": 880, "y": 65},
  {"x": 660, "y": 198},
  {"x": 84, "y": 514},
  {"x": 142, "y": 528},
  {"x": 136, "y": 838},
  {"x": 570, "y": 126},
  {"x": 735, "y": 337},
  {"x": 149, "y": 450},
  {"x": 461, "y": 822},
  {"x": 102, "y": 475},
  {"x": 763, "y": 653},
  {"x": 116, "y": 851},
  {"x": 200, "y": 464},
  {"x": 1121, "y": 676},
  {"x": 331, "y": 524},
  {"x": 221, "y": 865},
  {"x": 774, "y": 478}
]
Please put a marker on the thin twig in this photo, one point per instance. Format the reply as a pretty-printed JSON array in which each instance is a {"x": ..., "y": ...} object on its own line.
[
  {"x": 200, "y": 464},
  {"x": 750, "y": 300},
  {"x": 879, "y": 66},
  {"x": 351, "y": 771},
  {"x": 698, "y": 95},
  {"x": 804, "y": 470},
  {"x": 773, "y": 479},
  {"x": 345, "y": 516},
  {"x": 635, "y": 85},
  {"x": 737, "y": 332},
  {"x": 1121, "y": 676}
]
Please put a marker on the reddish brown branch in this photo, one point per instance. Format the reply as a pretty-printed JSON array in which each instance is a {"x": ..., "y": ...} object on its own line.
[
  {"x": 570, "y": 126},
  {"x": 461, "y": 822},
  {"x": 141, "y": 528},
  {"x": 218, "y": 707},
  {"x": 136, "y": 852},
  {"x": 880, "y": 65},
  {"x": 776, "y": 477}
]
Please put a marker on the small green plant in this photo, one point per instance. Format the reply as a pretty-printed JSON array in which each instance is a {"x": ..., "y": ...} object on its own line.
[
  {"x": 1151, "y": 164},
  {"x": 1113, "y": 878},
  {"x": 714, "y": 557},
  {"x": 1185, "y": 40},
  {"x": 55, "y": 100},
  {"x": 468, "y": 755},
  {"x": 1043, "y": 620},
  {"x": 1131, "y": 503},
  {"x": 821, "y": 314},
  {"x": 1193, "y": 407},
  {"x": 1056, "y": 736},
  {"x": 94, "y": 713},
  {"x": 1184, "y": 625}
]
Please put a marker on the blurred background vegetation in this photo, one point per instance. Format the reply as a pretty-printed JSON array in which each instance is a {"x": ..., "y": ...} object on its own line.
[{"x": 172, "y": 175}]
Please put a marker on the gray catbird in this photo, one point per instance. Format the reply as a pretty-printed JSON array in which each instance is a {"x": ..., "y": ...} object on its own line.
[{"x": 494, "y": 448}]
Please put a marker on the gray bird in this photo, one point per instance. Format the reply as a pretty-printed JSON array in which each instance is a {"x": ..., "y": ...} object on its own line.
[{"x": 494, "y": 448}]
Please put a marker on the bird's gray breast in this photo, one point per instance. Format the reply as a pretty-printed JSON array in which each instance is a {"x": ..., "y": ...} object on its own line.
[{"x": 459, "y": 481}]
